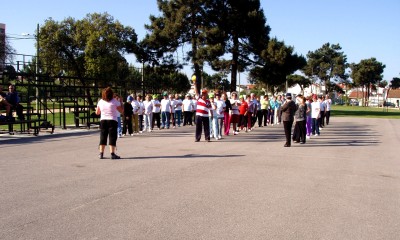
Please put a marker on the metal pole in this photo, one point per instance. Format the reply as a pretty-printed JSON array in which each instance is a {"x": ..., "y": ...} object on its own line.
[
  {"x": 143, "y": 79},
  {"x": 37, "y": 68}
]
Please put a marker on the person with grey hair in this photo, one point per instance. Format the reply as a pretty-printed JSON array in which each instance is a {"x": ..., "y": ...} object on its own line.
[
  {"x": 299, "y": 132},
  {"x": 288, "y": 109}
]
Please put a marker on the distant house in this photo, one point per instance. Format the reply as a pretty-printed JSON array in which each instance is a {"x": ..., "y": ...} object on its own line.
[
  {"x": 357, "y": 95},
  {"x": 393, "y": 96}
]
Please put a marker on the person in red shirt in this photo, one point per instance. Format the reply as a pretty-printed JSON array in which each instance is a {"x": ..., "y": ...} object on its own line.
[
  {"x": 203, "y": 111},
  {"x": 243, "y": 111}
]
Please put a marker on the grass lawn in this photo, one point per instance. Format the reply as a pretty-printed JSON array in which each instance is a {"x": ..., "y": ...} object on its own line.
[{"x": 365, "y": 112}]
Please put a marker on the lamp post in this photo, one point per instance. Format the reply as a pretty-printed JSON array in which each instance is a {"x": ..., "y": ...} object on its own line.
[{"x": 37, "y": 68}]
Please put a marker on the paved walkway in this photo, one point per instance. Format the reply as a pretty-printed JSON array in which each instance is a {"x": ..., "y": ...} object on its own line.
[{"x": 344, "y": 184}]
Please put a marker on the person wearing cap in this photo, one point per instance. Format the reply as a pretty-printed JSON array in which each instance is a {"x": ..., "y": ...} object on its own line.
[
  {"x": 288, "y": 109},
  {"x": 128, "y": 112},
  {"x": 203, "y": 111}
]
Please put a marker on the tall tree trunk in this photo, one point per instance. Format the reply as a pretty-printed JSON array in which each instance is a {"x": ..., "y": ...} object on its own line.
[
  {"x": 234, "y": 63},
  {"x": 197, "y": 70}
]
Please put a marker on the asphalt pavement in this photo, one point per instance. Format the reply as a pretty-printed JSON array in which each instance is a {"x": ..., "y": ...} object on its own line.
[{"x": 343, "y": 184}]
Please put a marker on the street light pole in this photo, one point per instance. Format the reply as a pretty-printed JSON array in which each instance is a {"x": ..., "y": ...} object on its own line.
[{"x": 37, "y": 68}]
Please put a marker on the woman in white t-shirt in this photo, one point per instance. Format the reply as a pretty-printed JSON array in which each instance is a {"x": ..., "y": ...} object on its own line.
[
  {"x": 156, "y": 112},
  {"x": 178, "y": 110},
  {"x": 148, "y": 113},
  {"x": 220, "y": 113},
  {"x": 187, "y": 110},
  {"x": 108, "y": 108}
]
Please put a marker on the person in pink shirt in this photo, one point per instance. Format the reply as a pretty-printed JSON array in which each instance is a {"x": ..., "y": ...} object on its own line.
[{"x": 108, "y": 108}]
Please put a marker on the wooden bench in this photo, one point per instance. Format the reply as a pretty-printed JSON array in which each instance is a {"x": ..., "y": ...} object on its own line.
[{"x": 30, "y": 124}]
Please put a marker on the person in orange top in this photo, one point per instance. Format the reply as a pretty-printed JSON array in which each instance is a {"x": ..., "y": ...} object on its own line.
[{"x": 243, "y": 108}]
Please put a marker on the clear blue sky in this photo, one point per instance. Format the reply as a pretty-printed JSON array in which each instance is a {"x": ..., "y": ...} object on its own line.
[{"x": 364, "y": 29}]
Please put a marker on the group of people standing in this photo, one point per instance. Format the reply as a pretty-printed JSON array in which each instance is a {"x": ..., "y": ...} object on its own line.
[
  {"x": 216, "y": 114},
  {"x": 309, "y": 115}
]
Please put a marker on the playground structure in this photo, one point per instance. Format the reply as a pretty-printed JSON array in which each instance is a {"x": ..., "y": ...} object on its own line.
[{"x": 49, "y": 99}]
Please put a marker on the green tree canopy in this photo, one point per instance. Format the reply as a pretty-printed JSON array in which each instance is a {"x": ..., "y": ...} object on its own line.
[
  {"x": 241, "y": 31},
  {"x": 212, "y": 28},
  {"x": 395, "y": 83},
  {"x": 327, "y": 63},
  {"x": 181, "y": 23},
  {"x": 367, "y": 73},
  {"x": 160, "y": 79},
  {"x": 277, "y": 62},
  {"x": 217, "y": 81},
  {"x": 89, "y": 48}
]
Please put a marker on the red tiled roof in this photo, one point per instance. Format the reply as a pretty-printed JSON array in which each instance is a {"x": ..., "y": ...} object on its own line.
[
  {"x": 357, "y": 94},
  {"x": 394, "y": 93}
]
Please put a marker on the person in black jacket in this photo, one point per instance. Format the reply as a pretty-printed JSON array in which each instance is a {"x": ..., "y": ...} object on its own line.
[
  {"x": 288, "y": 109},
  {"x": 128, "y": 112}
]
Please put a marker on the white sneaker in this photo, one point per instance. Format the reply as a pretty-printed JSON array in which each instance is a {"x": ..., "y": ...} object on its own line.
[
  {"x": 219, "y": 136},
  {"x": 132, "y": 134},
  {"x": 308, "y": 137},
  {"x": 235, "y": 133},
  {"x": 316, "y": 134},
  {"x": 140, "y": 131}
]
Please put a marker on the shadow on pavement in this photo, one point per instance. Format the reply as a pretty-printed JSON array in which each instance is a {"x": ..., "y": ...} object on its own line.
[{"x": 182, "y": 156}]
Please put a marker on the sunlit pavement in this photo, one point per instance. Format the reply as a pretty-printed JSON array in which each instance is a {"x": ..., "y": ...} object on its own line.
[{"x": 344, "y": 184}]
